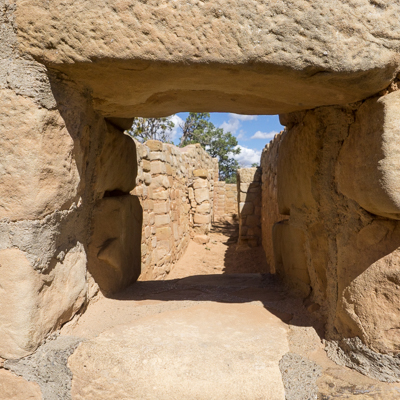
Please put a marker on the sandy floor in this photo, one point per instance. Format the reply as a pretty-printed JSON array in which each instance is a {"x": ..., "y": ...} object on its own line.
[
  {"x": 220, "y": 256},
  {"x": 179, "y": 331},
  {"x": 220, "y": 327}
]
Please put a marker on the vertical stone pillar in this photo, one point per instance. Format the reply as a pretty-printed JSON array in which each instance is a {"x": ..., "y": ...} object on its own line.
[
  {"x": 249, "y": 199},
  {"x": 201, "y": 205},
  {"x": 269, "y": 199},
  {"x": 58, "y": 188},
  {"x": 42, "y": 219},
  {"x": 231, "y": 203},
  {"x": 219, "y": 200}
]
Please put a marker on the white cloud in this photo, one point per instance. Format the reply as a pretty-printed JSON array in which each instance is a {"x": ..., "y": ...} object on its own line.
[
  {"x": 242, "y": 117},
  {"x": 232, "y": 126},
  {"x": 264, "y": 135},
  {"x": 247, "y": 156},
  {"x": 178, "y": 121},
  {"x": 242, "y": 135}
]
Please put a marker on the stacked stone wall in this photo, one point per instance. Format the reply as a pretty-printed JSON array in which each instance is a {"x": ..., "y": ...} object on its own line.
[
  {"x": 249, "y": 199},
  {"x": 270, "y": 211},
  {"x": 175, "y": 187},
  {"x": 225, "y": 200}
]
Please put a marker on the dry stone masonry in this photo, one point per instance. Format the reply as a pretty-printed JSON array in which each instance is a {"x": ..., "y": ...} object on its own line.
[
  {"x": 249, "y": 200},
  {"x": 175, "y": 187},
  {"x": 270, "y": 211},
  {"x": 73, "y": 73},
  {"x": 225, "y": 201}
]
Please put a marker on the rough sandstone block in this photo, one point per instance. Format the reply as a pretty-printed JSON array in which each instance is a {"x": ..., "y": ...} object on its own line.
[
  {"x": 189, "y": 58},
  {"x": 146, "y": 164},
  {"x": 162, "y": 207},
  {"x": 163, "y": 233},
  {"x": 297, "y": 164},
  {"x": 160, "y": 181},
  {"x": 248, "y": 175},
  {"x": 16, "y": 388},
  {"x": 116, "y": 168},
  {"x": 158, "y": 167},
  {"x": 253, "y": 220},
  {"x": 201, "y": 173},
  {"x": 201, "y": 219},
  {"x": 147, "y": 178},
  {"x": 203, "y": 208},
  {"x": 160, "y": 194},
  {"x": 202, "y": 194},
  {"x": 162, "y": 219},
  {"x": 200, "y": 183},
  {"x": 33, "y": 304},
  {"x": 157, "y": 156},
  {"x": 39, "y": 172},
  {"x": 290, "y": 256},
  {"x": 114, "y": 252},
  {"x": 368, "y": 169},
  {"x": 244, "y": 187},
  {"x": 154, "y": 145}
]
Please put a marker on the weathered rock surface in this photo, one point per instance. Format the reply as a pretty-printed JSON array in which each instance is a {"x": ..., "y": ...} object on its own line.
[
  {"x": 337, "y": 181},
  {"x": 32, "y": 303},
  {"x": 159, "y": 58},
  {"x": 114, "y": 258},
  {"x": 210, "y": 351},
  {"x": 299, "y": 377},
  {"x": 38, "y": 170},
  {"x": 297, "y": 167},
  {"x": 16, "y": 388},
  {"x": 290, "y": 256},
  {"x": 372, "y": 154},
  {"x": 117, "y": 164},
  {"x": 48, "y": 368},
  {"x": 354, "y": 354}
]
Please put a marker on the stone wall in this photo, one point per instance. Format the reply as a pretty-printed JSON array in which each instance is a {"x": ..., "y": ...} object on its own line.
[
  {"x": 175, "y": 187},
  {"x": 225, "y": 201},
  {"x": 338, "y": 175},
  {"x": 249, "y": 199},
  {"x": 71, "y": 73},
  {"x": 270, "y": 212}
]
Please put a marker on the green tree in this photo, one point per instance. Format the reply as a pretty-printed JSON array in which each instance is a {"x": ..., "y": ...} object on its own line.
[
  {"x": 222, "y": 145},
  {"x": 144, "y": 129},
  {"x": 255, "y": 165}
]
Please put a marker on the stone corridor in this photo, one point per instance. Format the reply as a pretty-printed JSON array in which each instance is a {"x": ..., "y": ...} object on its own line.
[{"x": 209, "y": 331}]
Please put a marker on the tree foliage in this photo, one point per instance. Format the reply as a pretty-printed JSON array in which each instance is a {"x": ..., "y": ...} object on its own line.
[
  {"x": 222, "y": 145},
  {"x": 144, "y": 129},
  {"x": 196, "y": 129}
]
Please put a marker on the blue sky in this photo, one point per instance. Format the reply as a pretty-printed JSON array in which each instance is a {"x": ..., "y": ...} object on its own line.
[{"x": 253, "y": 132}]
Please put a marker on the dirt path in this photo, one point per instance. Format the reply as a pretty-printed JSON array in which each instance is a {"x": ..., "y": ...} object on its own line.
[
  {"x": 219, "y": 327},
  {"x": 220, "y": 256}
]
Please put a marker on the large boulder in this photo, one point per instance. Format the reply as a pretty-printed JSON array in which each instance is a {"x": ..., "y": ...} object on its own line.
[
  {"x": 32, "y": 303},
  {"x": 368, "y": 169},
  {"x": 39, "y": 160}
]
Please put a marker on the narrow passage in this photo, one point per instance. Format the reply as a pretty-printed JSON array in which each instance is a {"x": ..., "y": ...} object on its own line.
[{"x": 220, "y": 327}]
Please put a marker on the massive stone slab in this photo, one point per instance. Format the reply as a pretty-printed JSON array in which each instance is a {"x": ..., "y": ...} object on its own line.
[{"x": 151, "y": 58}]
